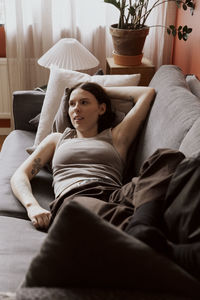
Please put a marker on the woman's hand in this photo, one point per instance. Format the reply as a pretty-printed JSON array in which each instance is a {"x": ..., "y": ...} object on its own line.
[{"x": 39, "y": 216}]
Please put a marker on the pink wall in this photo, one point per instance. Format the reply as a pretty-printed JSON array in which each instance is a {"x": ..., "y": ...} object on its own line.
[{"x": 187, "y": 54}]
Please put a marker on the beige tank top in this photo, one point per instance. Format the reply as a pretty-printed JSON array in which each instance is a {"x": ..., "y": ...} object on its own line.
[{"x": 79, "y": 160}]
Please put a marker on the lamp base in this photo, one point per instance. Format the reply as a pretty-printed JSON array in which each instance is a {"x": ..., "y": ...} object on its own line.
[{"x": 126, "y": 60}]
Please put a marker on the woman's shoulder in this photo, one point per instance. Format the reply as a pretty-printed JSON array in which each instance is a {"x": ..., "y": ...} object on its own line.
[
  {"x": 68, "y": 133},
  {"x": 105, "y": 135},
  {"x": 106, "y": 131},
  {"x": 54, "y": 136},
  {"x": 61, "y": 135}
]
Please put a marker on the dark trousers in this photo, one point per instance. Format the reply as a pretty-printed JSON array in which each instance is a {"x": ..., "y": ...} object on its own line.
[{"x": 171, "y": 225}]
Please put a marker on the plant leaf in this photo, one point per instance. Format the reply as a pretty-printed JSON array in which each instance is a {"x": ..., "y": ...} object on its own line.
[
  {"x": 184, "y": 6},
  {"x": 190, "y": 4},
  {"x": 185, "y": 28},
  {"x": 180, "y": 36},
  {"x": 132, "y": 10},
  {"x": 168, "y": 30},
  {"x": 172, "y": 27},
  {"x": 113, "y": 2},
  {"x": 178, "y": 3},
  {"x": 174, "y": 32}
]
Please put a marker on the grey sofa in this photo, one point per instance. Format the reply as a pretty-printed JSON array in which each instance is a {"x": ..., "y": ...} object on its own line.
[{"x": 172, "y": 123}]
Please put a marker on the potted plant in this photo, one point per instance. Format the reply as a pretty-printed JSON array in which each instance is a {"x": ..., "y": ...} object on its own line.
[{"x": 130, "y": 33}]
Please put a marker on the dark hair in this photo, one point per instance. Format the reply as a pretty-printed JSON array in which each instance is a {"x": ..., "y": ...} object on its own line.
[{"x": 107, "y": 119}]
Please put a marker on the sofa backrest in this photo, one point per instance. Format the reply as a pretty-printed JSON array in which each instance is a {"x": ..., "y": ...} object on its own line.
[
  {"x": 26, "y": 105},
  {"x": 174, "y": 116}
]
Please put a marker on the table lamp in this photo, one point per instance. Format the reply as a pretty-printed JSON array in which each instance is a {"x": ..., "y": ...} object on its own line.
[{"x": 69, "y": 54}]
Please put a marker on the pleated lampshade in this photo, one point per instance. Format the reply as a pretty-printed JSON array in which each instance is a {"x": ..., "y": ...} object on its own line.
[{"x": 69, "y": 54}]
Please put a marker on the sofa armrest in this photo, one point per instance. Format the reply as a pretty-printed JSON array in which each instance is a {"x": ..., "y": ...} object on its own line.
[{"x": 26, "y": 105}]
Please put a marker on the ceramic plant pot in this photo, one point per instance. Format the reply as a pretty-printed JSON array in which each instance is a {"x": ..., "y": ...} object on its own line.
[{"x": 128, "y": 44}]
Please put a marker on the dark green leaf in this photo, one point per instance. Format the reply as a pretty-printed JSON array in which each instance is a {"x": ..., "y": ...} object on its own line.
[
  {"x": 178, "y": 3},
  {"x": 180, "y": 36},
  {"x": 113, "y": 2},
  {"x": 185, "y": 28},
  {"x": 168, "y": 31},
  {"x": 172, "y": 27},
  {"x": 179, "y": 28},
  {"x": 174, "y": 32},
  {"x": 189, "y": 30},
  {"x": 190, "y": 4},
  {"x": 132, "y": 11},
  {"x": 184, "y": 6}
]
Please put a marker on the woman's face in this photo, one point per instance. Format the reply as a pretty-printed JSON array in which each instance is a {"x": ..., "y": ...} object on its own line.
[{"x": 84, "y": 111}]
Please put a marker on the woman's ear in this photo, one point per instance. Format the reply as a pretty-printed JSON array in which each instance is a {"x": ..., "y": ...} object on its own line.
[{"x": 102, "y": 108}]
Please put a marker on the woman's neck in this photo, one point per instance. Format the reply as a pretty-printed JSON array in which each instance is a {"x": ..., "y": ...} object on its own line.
[{"x": 88, "y": 134}]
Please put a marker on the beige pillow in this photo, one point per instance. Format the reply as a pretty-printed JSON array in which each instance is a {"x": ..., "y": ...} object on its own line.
[{"x": 60, "y": 79}]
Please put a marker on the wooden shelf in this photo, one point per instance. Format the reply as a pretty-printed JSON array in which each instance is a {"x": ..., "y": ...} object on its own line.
[{"x": 146, "y": 69}]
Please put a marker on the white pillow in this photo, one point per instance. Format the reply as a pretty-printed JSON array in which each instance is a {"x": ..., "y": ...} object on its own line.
[
  {"x": 194, "y": 84},
  {"x": 60, "y": 79}
]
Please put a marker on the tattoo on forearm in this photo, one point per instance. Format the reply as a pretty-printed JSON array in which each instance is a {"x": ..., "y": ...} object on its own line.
[{"x": 36, "y": 166}]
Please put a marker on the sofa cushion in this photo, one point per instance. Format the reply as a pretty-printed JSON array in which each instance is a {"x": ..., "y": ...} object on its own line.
[
  {"x": 190, "y": 145},
  {"x": 13, "y": 153},
  {"x": 83, "y": 250},
  {"x": 19, "y": 243},
  {"x": 172, "y": 115},
  {"x": 194, "y": 84}
]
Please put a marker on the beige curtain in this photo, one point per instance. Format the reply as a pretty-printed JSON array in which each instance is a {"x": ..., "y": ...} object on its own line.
[
  {"x": 33, "y": 26},
  {"x": 159, "y": 45}
]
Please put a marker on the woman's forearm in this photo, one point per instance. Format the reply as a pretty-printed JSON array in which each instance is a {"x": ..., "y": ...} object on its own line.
[
  {"x": 21, "y": 188},
  {"x": 21, "y": 180},
  {"x": 144, "y": 94}
]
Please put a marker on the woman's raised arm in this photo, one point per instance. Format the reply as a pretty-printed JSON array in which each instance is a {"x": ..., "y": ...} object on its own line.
[
  {"x": 125, "y": 132},
  {"x": 20, "y": 181}
]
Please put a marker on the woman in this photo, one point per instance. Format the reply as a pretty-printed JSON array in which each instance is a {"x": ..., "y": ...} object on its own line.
[
  {"x": 89, "y": 161},
  {"x": 90, "y": 114}
]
